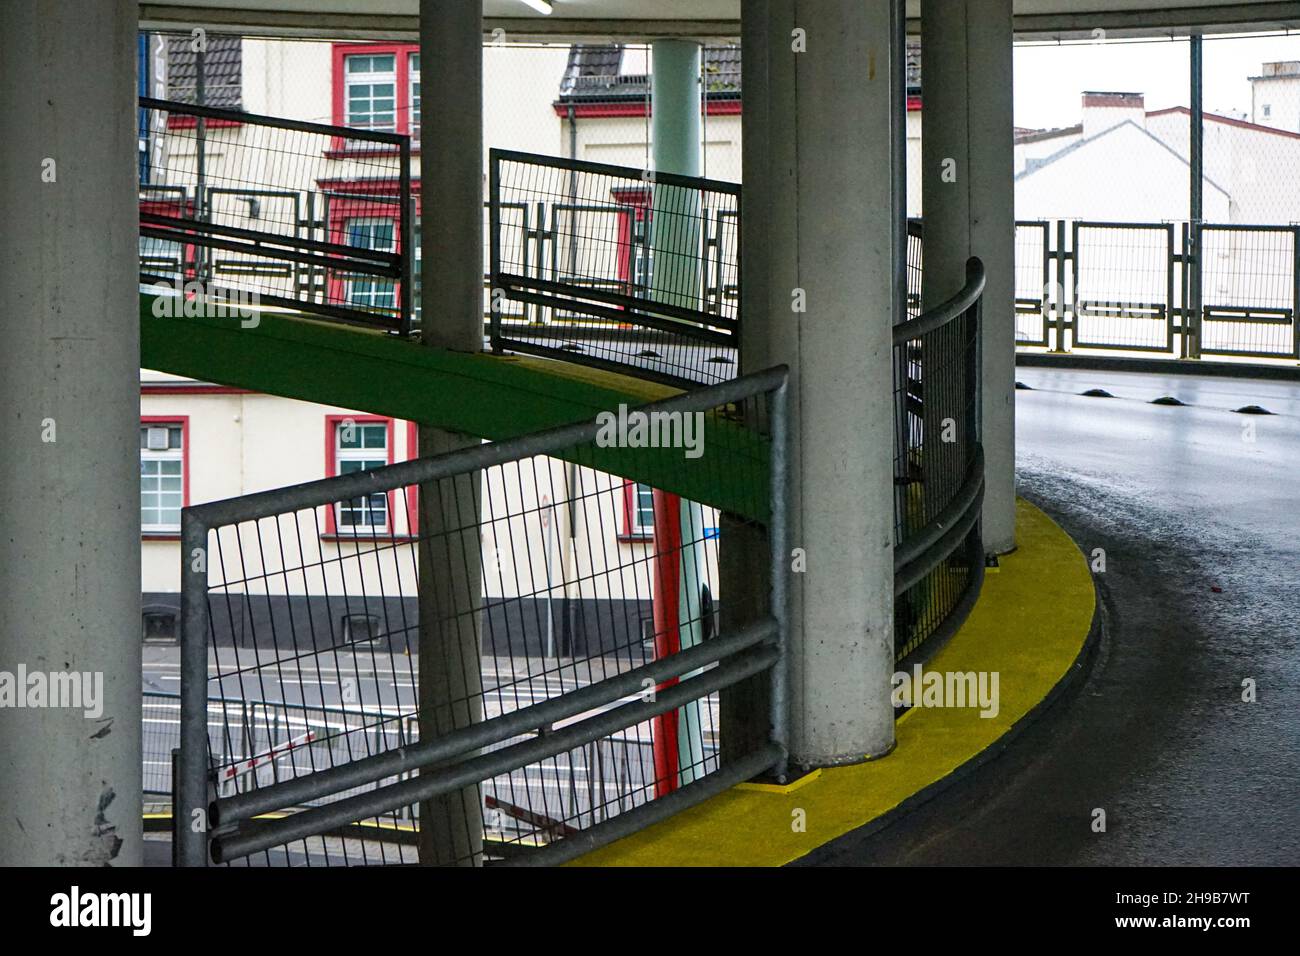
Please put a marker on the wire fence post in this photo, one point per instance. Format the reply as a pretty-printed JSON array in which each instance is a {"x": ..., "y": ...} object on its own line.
[
  {"x": 190, "y": 805},
  {"x": 406, "y": 209},
  {"x": 778, "y": 534}
]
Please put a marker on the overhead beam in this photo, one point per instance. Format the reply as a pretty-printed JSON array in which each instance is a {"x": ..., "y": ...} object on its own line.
[{"x": 1069, "y": 23}]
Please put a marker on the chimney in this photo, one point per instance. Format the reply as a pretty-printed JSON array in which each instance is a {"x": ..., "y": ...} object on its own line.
[
  {"x": 1282, "y": 68},
  {"x": 1102, "y": 110}
]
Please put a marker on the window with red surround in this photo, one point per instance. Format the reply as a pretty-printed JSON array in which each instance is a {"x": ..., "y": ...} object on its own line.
[
  {"x": 359, "y": 443},
  {"x": 638, "y": 512},
  {"x": 376, "y": 86}
]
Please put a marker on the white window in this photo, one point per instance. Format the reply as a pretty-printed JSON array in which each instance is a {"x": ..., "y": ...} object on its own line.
[
  {"x": 372, "y": 292},
  {"x": 413, "y": 71},
  {"x": 361, "y": 446},
  {"x": 1268, "y": 110},
  {"x": 640, "y": 511},
  {"x": 162, "y": 477},
  {"x": 370, "y": 91}
]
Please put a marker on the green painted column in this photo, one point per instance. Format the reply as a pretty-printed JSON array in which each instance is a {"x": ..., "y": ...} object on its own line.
[{"x": 675, "y": 257}]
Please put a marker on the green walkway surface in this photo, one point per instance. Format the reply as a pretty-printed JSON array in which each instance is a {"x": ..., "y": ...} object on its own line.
[{"x": 490, "y": 397}]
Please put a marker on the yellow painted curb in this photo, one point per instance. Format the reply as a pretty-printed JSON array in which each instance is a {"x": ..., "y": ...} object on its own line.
[{"x": 1029, "y": 625}]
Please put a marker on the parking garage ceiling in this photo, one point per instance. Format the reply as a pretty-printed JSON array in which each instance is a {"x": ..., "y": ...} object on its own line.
[{"x": 644, "y": 19}]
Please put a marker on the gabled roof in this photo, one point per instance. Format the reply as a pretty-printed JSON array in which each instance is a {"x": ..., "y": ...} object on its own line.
[
  {"x": 1035, "y": 165},
  {"x": 222, "y": 71},
  {"x": 1036, "y": 136},
  {"x": 592, "y": 74},
  {"x": 1228, "y": 121}
]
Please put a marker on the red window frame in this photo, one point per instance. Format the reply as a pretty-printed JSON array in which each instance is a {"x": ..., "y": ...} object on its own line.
[
  {"x": 331, "y": 470},
  {"x": 413, "y": 492},
  {"x": 184, "y": 422},
  {"x": 402, "y": 59},
  {"x": 175, "y": 209},
  {"x": 629, "y": 530},
  {"x": 636, "y": 200},
  {"x": 343, "y": 211}
]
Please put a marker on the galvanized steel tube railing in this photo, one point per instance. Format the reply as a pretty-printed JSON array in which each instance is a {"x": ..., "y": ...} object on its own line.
[
  {"x": 938, "y": 468},
  {"x": 561, "y": 668}
]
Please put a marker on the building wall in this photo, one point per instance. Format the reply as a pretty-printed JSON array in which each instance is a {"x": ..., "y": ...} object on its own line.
[
  {"x": 240, "y": 443},
  {"x": 1275, "y": 101}
]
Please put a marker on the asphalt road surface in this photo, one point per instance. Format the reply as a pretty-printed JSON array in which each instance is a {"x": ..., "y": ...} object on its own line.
[{"x": 1198, "y": 510}]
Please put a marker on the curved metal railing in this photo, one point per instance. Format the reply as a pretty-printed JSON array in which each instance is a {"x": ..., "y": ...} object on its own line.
[{"x": 938, "y": 469}]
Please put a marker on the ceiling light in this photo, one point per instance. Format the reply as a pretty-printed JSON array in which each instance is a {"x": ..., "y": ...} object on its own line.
[{"x": 541, "y": 6}]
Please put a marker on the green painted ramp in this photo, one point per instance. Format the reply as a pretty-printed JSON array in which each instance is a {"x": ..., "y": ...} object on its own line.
[{"x": 491, "y": 397}]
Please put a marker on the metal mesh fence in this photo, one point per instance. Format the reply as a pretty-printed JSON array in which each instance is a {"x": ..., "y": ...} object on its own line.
[
  {"x": 1250, "y": 289},
  {"x": 938, "y": 474},
  {"x": 915, "y": 266},
  {"x": 621, "y": 267},
  {"x": 457, "y": 594},
  {"x": 1032, "y": 282},
  {"x": 1123, "y": 291},
  {"x": 259, "y": 209}
]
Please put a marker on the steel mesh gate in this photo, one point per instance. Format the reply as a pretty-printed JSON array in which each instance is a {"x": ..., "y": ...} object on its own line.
[{"x": 1143, "y": 287}]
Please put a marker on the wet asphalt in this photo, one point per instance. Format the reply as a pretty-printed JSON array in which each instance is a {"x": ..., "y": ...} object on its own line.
[{"x": 1198, "y": 511}]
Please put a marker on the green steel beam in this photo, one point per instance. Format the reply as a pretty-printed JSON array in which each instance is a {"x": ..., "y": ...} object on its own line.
[{"x": 486, "y": 396}]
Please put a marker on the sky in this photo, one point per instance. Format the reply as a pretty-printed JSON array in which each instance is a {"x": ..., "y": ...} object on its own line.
[{"x": 1050, "y": 78}]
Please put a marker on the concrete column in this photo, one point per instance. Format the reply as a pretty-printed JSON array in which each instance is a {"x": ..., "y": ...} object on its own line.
[
  {"x": 969, "y": 209},
  {"x": 451, "y": 172},
  {"x": 70, "y": 418},
  {"x": 819, "y": 247}
]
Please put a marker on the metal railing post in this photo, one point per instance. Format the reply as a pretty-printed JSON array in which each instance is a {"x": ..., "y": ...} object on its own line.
[
  {"x": 1196, "y": 200},
  {"x": 406, "y": 205},
  {"x": 778, "y": 535},
  {"x": 191, "y": 802},
  {"x": 495, "y": 302},
  {"x": 1059, "y": 288},
  {"x": 1295, "y": 292}
]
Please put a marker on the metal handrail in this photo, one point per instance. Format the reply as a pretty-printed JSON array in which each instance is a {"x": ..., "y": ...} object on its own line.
[
  {"x": 483, "y": 766},
  {"x": 919, "y": 553},
  {"x": 486, "y": 733},
  {"x": 610, "y": 169},
  {"x": 299, "y": 245},
  {"x": 462, "y": 758},
  {"x": 949, "y": 309},
  {"x": 685, "y": 331},
  {"x": 266, "y": 504},
  {"x": 302, "y": 126},
  {"x": 924, "y": 548}
]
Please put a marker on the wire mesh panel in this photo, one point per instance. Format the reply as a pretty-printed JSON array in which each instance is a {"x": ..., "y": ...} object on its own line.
[
  {"x": 628, "y": 268},
  {"x": 938, "y": 471},
  {"x": 915, "y": 262},
  {"x": 1249, "y": 290},
  {"x": 1123, "y": 289},
  {"x": 263, "y": 210},
  {"x": 1032, "y": 282},
  {"x": 446, "y": 601}
]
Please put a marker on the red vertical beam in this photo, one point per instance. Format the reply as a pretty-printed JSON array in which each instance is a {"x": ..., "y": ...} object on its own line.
[{"x": 667, "y": 587}]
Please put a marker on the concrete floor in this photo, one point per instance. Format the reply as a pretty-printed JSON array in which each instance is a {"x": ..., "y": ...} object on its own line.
[{"x": 1201, "y": 530}]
